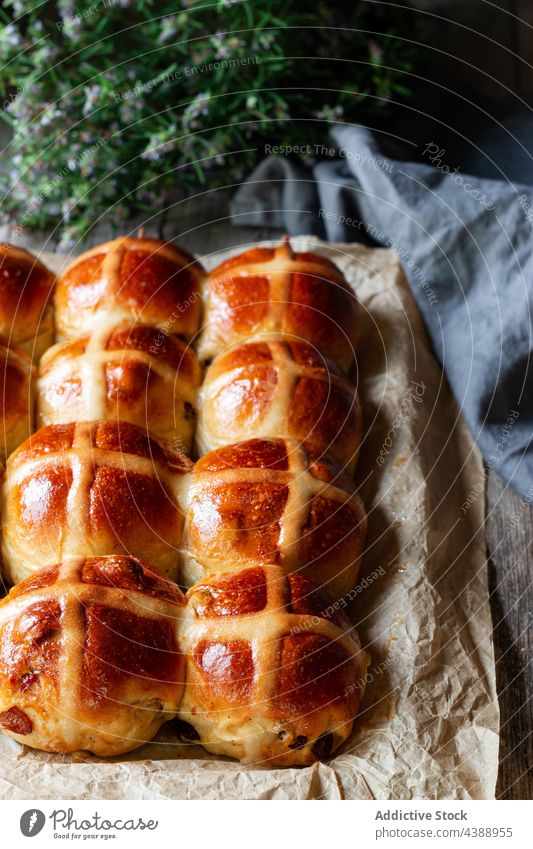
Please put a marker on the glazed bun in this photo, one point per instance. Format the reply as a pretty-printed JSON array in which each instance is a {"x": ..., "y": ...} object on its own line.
[
  {"x": 273, "y": 501},
  {"x": 89, "y": 656},
  {"x": 16, "y": 397},
  {"x": 26, "y": 307},
  {"x": 280, "y": 387},
  {"x": 138, "y": 280},
  {"x": 274, "y": 674},
  {"x": 130, "y": 372},
  {"x": 91, "y": 488},
  {"x": 267, "y": 290}
]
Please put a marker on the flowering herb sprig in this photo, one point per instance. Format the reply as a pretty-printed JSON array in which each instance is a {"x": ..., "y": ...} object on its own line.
[{"x": 120, "y": 106}]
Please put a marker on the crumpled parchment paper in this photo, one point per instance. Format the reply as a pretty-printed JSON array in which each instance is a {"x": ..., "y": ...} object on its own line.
[{"x": 428, "y": 728}]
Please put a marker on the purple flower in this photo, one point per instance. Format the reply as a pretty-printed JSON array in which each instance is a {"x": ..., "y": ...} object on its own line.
[
  {"x": 10, "y": 36},
  {"x": 92, "y": 93},
  {"x": 199, "y": 107},
  {"x": 160, "y": 144},
  {"x": 169, "y": 28}
]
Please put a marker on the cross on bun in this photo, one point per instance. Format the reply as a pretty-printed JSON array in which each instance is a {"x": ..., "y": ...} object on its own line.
[
  {"x": 266, "y": 290},
  {"x": 280, "y": 387},
  {"x": 273, "y": 501},
  {"x": 91, "y": 488},
  {"x": 131, "y": 372},
  {"x": 140, "y": 280},
  {"x": 26, "y": 308},
  {"x": 275, "y": 674},
  {"x": 89, "y": 656},
  {"x": 16, "y": 396}
]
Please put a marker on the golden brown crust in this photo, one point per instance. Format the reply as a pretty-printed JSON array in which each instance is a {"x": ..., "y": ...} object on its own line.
[
  {"x": 89, "y": 654},
  {"x": 283, "y": 388},
  {"x": 265, "y": 290},
  {"x": 275, "y": 674},
  {"x": 85, "y": 664},
  {"x": 17, "y": 377},
  {"x": 26, "y": 308},
  {"x": 98, "y": 488},
  {"x": 131, "y": 372},
  {"x": 142, "y": 280},
  {"x": 273, "y": 501}
]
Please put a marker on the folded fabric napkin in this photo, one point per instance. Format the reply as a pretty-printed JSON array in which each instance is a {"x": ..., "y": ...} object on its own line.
[{"x": 466, "y": 244}]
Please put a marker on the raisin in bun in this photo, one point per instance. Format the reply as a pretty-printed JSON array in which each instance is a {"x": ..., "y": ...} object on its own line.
[
  {"x": 275, "y": 674},
  {"x": 139, "y": 280},
  {"x": 273, "y": 501},
  {"x": 89, "y": 656},
  {"x": 131, "y": 372},
  {"x": 91, "y": 488},
  {"x": 26, "y": 306},
  {"x": 16, "y": 397},
  {"x": 280, "y": 387},
  {"x": 265, "y": 290}
]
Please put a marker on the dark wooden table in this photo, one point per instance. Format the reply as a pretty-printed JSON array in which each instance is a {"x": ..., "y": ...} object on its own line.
[
  {"x": 204, "y": 227},
  {"x": 509, "y": 533}
]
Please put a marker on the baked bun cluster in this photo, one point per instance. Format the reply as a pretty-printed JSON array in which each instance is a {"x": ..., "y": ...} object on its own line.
[{"x": 105, "y": 514}]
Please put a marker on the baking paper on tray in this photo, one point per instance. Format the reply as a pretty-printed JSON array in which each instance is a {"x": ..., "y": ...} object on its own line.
[{"x": 428, "y": 727}]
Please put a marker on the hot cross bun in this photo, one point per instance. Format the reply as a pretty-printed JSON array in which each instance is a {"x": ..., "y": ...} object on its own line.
[
  {"x": 275, "y": 674},
  {"x": 140, "y": 280},
  {"x": 131, "y": 372},
  {"x": 280, "y": 387},
  {"x": 91, "y": 488},
  {"x": 89, "y": 656},
  {"x": 266, "y": 290},
  {"x": 273, "y": 501}
]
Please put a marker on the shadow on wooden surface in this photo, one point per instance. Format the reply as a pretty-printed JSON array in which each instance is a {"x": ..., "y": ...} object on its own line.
[{"x": 509, "y": 544}]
